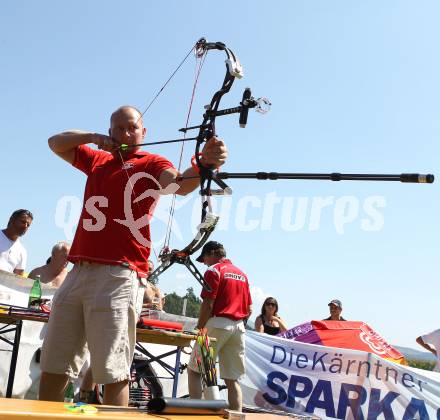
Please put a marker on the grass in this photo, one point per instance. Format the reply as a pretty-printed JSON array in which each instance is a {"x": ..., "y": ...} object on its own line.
[{"x": 421, "y": 364}]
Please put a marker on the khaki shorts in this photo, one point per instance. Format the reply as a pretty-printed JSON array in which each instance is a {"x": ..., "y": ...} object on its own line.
[
  {"x": 99, "y": 305},
  {"x": 229, "y": 347}
]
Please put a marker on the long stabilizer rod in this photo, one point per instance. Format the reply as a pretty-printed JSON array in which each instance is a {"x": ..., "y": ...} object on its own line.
[{"x": 335, "y": 176}]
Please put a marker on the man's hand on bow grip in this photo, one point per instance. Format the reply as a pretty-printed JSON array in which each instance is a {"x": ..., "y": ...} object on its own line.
[
  {"x": 104, "y": 142},
  {"x": 214, "y": 153}
]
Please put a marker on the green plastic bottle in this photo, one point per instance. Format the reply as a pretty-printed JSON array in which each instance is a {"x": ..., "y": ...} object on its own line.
[
  {"x": 70, "y": 393},
  {"x": 35, "y": 293}
]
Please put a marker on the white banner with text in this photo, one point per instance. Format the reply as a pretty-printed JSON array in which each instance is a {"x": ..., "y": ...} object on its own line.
[{"x": 329, "y": 382}]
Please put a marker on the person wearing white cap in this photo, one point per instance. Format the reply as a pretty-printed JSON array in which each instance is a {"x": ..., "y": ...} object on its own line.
[
  {"x": 431, "y": 342},
  {"x": 335, "y": 307}
]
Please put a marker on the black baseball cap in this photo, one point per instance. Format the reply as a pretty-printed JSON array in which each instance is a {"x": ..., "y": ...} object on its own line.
[
  {"x": 207, "y": 248},
  {"x": 336, "y": 302}
]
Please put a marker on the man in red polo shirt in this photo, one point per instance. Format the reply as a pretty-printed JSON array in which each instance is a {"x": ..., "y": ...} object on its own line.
[
  {"x": 223, "y": 312},
  {"x": 100, "y": 299}
]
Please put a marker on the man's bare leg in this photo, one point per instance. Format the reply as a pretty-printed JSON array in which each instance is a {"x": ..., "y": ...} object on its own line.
[
  {"x": 52, "y": 386},
  {"x": 87, "y": 388},
  {"x": 194, "y": 384},
  {"x": 234, "y": 395},
  {"x": 116, "y": 394},
  {"x": 87, "y": 383}
]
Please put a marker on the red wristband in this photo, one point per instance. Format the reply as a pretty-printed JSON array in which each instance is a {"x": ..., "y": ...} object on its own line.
[{"x": 194, "y": 163}]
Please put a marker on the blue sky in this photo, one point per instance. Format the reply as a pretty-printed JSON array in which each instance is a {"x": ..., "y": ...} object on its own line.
[{"x": 354, "y": 87}]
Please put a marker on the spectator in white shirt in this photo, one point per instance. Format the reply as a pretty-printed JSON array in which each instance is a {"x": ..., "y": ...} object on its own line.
[{"x": 13, "y": 255}]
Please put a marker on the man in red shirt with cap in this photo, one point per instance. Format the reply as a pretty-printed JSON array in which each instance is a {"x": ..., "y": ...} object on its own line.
[
  {"x": 223, "y": 312},
  {"x": 100, "y": 300}
]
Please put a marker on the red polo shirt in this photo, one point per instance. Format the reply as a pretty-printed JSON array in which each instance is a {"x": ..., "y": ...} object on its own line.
[
  {"x": 230, "y": 290},
  {"x": 103, "y": 234}
]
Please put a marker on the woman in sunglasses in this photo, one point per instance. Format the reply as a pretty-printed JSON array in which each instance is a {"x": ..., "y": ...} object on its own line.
[{"x": 269, "y": 322}]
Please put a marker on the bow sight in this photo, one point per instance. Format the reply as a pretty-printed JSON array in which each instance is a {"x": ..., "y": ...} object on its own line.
[{"x": 261, "y": 105}]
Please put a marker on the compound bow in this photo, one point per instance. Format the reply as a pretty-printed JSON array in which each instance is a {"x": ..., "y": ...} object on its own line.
[{"x": 206, "y": 130}]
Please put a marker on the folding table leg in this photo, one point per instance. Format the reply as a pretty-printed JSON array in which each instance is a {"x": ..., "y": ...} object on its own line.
[
  {"x": 13, "y": 365},
  {"x": 176, "y": 372}
]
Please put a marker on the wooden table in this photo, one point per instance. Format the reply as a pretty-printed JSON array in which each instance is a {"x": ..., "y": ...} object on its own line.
[
  {"x": 11, "y": 409},
  {"x": 169, "y": 338}
]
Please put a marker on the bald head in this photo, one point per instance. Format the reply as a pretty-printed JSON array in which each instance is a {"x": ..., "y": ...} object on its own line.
[
  {"x": 126, "y": 127},
  {"x": 60, "y": 247},
  {"x": 126, "y": 109}
]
